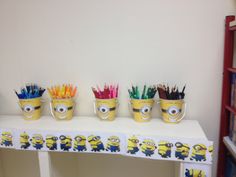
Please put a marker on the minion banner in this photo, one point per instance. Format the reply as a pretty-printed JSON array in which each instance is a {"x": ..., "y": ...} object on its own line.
[
  {"x": 198, "y": 170},
  {"x": 164, "y": 148},
  {"x": 161, "y": 148},
  {"x": 87, "y": 142}
]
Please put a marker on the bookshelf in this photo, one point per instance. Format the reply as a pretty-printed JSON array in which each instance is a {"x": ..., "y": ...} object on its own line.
[
  {"x": 230, "y": 146},
  {"x": 225, "y": 144}
]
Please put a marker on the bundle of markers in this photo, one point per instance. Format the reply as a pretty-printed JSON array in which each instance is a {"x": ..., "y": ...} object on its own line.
[
  {"x": 30, "y": 91},
  {"x": 147, "y": 92},
  {"x": 108, "y": 92},
  {"x": 170, "y": 93},
  {"x": 64, "y": 91}
]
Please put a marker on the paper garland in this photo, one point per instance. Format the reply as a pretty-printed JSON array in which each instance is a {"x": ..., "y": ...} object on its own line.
[
  {"x": 152, "y": 147},
  {"x": 197, "y": 170}
]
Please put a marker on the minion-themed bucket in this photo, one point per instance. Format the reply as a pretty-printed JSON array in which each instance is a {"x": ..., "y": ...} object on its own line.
[
  {"x": 106, "y": 109},
  {"x": 141, "y": 109},
  {"x": 62, "y": 109},
  {"x": 172, "y": 111},
  {"x": 31, "y": 108}
]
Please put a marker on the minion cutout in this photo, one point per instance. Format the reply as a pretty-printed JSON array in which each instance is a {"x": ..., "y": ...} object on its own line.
[
  {"x": 211, "y": 149},
  {"x": 31, "y": 108},
  {"x": 51, "y": 142},
  {"x": 164, "y": 149},
  {"x": 37, "y": 141},
  {"x": 199, "y": 152},
  {"x": 182, "y": 150},
  {"x": 7, "y": 139},
  {"x": 148, "y": 147},
  {"x": 113, "y": 144},
  {"x": 80, "y": 143},
  {"x": 66, "y": 142},
  {"x": 106, "y": 108},
  {"x": 62, "y": 109},
  {"x": 96, "y": 143},
  {"x": 133, "y": 145},
  {"x": 24, "y": 141},
  {"x": 194, "y": 173}
]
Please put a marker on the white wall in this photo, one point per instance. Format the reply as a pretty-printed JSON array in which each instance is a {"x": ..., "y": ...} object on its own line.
[{"x": 88, "y": 42}]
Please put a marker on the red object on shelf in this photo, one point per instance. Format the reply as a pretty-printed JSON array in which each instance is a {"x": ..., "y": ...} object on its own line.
[
  {"x": 233, "y": 28},
  {"x": 233, "y": 70},
  {"x": 225, "y": 109},
  {"x": 232, "y": 110}
]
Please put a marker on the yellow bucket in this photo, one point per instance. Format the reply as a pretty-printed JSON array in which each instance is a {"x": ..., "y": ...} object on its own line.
[
  {"x": 105, "y": 109},
  {"x": 141, "y": 109},
  {"x": 62, "y": 109},
  {"x": 172, "y": 111},
  {"x": 31, "y": 108}
]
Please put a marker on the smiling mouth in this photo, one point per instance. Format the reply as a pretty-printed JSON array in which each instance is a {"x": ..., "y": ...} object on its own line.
[
  {"x": 62, "y": 117},
  {"x": 145, "y": 118},
  {"x": 104, "y": 117},
  {"x": 29, "y": 116}
]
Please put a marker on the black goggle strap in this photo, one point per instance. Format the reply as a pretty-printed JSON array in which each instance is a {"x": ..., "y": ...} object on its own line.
[
  {"x": 167, "y": 145},
  {"x": 165, "y": 111},
  {"x": 69, "y": 108},
  {"x": 139, "y": 110},
  {"x": 35, "y": 108}
]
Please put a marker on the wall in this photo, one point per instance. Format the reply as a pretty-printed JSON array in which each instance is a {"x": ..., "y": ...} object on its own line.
[{"x": 89, "y": 42}]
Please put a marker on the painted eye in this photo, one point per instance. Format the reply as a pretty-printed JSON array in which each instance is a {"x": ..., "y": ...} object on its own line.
[
  {"x": 145, "y": 109},
  {"x": 117, "y": 140},
  {"x": 103, "y": 109},
  {"x": 61, "y": 109},
  {"x": 178, "y": 145},
  {"x": 173, "y": 110},
  {"x": 28, "y": 108}
]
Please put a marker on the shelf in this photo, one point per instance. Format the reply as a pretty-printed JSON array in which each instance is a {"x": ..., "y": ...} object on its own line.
[
  {"x": 185, "y": 129},
  {"x": 230, "y": 146},
  {"x": 230, "y": 109},
  {"x": 232, "y": 26},
  {"x": 233, "y": 70}
]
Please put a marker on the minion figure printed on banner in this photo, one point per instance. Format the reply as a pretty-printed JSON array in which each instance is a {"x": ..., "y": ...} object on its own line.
[
  {"x": 30, "y": 101},
  {"x": 182, "y": 150},
  {"x": 148, "y": 147},
  {"x": 199, "y": 152},
  {"x": 7, "y": 139},
  {"x": 113, "y": 144},
  {"x": 37, "y": 141},
  {"x": 62, "y": 101},
  {"x": 106, "y": 102},
  {"x": 141, "y": 104},
  {"x": 66, "y": 142},
  {"x": 51, "y": 142},
  {"x": 80, "y": 143},
  {"x": 96, "y": 143},
  {"x": 211, "y": 149},
  {"x": 194, "y": 173},
  {"x": 164, "y": 149},
  {"x": 133, "y": 145},
  {"x": 24, "y": 141}
]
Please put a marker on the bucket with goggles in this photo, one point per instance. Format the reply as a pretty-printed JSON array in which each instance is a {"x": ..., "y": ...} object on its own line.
[
  {"x": 30, "y": 101},
  {"x": 31, "y": 108},
  {"x": 62, "y": 109},
  {"x": 62, "y": 101},
  {"x": 141, "y": 109},
  {"x": 105, "y": 109},
  {"x": 172, "y": 111}
]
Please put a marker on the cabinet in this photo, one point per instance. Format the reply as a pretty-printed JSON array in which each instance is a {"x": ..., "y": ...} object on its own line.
[{"x": 71, "y": 163}]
